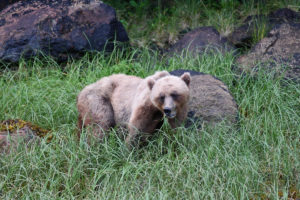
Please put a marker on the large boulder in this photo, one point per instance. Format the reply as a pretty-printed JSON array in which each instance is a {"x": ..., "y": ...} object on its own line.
[
  {"x": 60, "y": 28},
  {"x": 210, "y": 100},
  {"x": 200, "y": 40},
  {"x": 5, "y": 3},
  {"x": 279, "y": 53},
  {"x": 244, "y": 35},
  {"x": 15, "y": 132}
]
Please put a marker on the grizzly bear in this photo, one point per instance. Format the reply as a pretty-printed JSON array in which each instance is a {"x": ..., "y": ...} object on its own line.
[{"x": 136, "y": 103}]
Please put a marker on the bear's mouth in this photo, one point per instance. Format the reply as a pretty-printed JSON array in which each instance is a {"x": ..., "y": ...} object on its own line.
[{"x": 170, "y": 115}]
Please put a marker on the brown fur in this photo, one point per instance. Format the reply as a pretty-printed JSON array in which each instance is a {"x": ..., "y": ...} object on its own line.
[{"x": 133, "y": 102}]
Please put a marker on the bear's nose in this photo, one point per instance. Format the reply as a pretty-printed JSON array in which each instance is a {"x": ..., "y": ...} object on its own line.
[{"x": 167, "y": 111}]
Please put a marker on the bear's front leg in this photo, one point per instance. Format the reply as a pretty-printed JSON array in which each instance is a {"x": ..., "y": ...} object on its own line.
[
  {"x": 136, "y": 126},
  {"x": 141, "y": 121},
  {"x": 131, "y": 139}
]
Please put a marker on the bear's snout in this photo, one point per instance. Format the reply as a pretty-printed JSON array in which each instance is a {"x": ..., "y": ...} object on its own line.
[
  {"x": 167, "y": 111},
  {"x": 170, "y": 113},
  {"x": 169, "y": 107}
]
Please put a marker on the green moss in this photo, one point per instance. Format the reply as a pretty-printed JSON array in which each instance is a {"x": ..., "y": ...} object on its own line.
[{"x": 13, "y": 125}]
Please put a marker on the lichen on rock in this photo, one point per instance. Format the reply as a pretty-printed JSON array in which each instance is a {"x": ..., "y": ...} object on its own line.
[{"x": 16, "y": 131}]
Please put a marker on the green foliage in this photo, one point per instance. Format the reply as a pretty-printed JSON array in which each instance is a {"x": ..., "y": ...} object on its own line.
[{"x": 261, "y": 29}]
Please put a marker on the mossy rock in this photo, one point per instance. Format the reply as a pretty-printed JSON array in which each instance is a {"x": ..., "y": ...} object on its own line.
[{"x": 15, "y": 131}]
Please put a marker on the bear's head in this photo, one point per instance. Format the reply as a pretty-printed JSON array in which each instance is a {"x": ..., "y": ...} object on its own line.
[{"x": 170, "y": 93}]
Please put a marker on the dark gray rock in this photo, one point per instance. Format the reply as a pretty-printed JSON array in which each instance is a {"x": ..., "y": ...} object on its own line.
[
  {"x": 243, "y": 36},
  {"x": 283, "y": 15},
  {"x": 60, "y": 28},
  {"x": 210, "y": 100},
  {"x": 5, "y": 3},
  {"x": 279, "y": 53},
  {"x": 199, "y": 40}
]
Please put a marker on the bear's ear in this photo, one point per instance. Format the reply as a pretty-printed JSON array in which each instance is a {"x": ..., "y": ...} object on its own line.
[
  {"x": 161, "y": 74},
  {"x": 150, "y": 83},
  {"x": 186, "y": 77}
]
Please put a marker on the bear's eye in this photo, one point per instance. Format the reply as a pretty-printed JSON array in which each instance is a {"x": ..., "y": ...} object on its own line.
[
  {"x": 174, "y": 96},
  {"x": 162, "y": 98}
]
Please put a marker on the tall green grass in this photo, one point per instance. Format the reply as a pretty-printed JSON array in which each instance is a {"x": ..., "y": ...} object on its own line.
[{"x": 257, "y": 160}]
